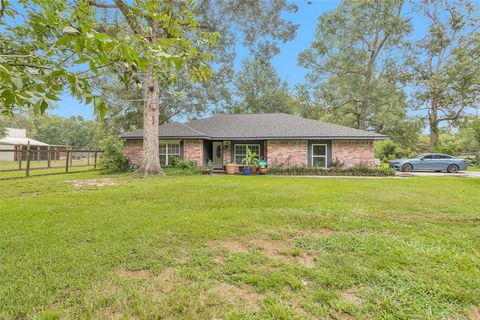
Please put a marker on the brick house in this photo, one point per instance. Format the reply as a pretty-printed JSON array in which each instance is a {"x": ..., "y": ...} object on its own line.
[{"x": 280, "y": 139}]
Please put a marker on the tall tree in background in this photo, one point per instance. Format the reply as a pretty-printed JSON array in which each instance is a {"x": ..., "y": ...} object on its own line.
[
  {"x": 446, "y": 63},
  {"x": 259, "y": 88},
  {"x": 351, "y": 70},
  {"x": 256, "y": 25}
]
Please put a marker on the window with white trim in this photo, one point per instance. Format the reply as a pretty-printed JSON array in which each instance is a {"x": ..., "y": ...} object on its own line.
[
  {"x": 167, "y": 151},
  {"x": 319, "y": 155},
  {"x": 240, "y": 151}
]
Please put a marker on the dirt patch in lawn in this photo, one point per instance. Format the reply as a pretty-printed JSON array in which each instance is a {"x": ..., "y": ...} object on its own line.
[
  {"x": 283, "y": 250},
  {"x": 135, "y": 274},
  {"x": 233, "y": 294},
  {"x": 474, "y": 313},
  {"x": 350, "y": 296},
  {"x": 80, "y": 184},
  {"x": 230, "y": 245},
  {"x": 276, "y": 249}
]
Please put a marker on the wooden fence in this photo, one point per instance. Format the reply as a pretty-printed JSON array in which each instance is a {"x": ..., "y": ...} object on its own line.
[{"x": 45, "y": 159}]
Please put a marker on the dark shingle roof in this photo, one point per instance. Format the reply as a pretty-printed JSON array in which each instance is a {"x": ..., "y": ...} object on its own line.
[
  {"x": 258, "y": 126},
  {"x": 168, "y": 130}
]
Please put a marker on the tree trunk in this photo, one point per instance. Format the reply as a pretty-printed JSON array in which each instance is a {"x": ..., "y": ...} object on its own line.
[
  {"x": 433, "y": 136},
  {"x": 362, "y": 116},
  {"x": 432, "y": 119},
  {"x": 151, "y": 160}
]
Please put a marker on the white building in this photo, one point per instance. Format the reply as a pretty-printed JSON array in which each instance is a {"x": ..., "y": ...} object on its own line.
[{"x": 16, "y": 137}]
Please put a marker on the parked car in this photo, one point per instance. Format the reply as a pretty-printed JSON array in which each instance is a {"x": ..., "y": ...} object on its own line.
[{"x": 430, "y": 162}]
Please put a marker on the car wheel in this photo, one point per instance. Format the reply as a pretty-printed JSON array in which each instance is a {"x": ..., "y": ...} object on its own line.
[
  {"x": 453, "y": 168},
  {"x": 407, "y": 167}
]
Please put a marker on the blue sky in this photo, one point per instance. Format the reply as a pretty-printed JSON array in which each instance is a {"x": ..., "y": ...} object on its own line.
[{"x": 286, "y": 62}]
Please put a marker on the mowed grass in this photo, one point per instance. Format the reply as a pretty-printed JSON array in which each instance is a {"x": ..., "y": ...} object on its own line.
[{"x": 207, "y": 247}]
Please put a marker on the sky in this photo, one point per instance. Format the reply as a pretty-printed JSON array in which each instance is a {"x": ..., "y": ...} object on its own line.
[{"x": 285, "y": 62}]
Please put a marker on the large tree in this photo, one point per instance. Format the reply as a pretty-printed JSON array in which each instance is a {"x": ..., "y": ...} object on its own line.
[
  {"x": 446, "y": 63},
  {"x": 351, "y": 70},
  {"x": 259, "y": 88},
  {"x": 162, "y": 39}
]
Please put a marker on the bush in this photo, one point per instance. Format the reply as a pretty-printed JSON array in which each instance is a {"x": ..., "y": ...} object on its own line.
[
  {"x": 314, "y": 171},
  {"x": 176, "y": 162},
  {"x": 113, "y": 159},
  {"x": 192, "y": 171}
]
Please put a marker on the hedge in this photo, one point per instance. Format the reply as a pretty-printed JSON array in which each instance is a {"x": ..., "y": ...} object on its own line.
[{"x": 313, "y": 171}]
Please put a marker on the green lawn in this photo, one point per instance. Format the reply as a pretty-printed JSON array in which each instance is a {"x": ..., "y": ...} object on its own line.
[{"x": 205, "y": 247}]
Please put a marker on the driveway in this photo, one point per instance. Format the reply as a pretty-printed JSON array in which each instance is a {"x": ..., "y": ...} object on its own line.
[{"x": 462, "y": 174}]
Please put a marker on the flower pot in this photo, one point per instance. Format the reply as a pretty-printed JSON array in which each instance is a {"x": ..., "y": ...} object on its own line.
[
  {"x": 263, "y": 170},
  {"x": 247, "y": 171},
  {"x": 231, "y": 168}
]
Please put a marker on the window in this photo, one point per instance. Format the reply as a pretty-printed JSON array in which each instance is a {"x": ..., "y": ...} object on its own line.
[
  {"x": 441, "y": 156},
  {"x": 241, "y": 151},
  {"x": 167, "y": 151},
  {"x": 319, "y": 155},
  {"x": 428, "y": 157}
]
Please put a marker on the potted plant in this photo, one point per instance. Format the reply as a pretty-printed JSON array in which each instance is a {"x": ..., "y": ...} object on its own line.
[
  {"x": 231, "y": 168},
  {"x": 262, "y": 168},
  {"x": 250, "y": 161}
]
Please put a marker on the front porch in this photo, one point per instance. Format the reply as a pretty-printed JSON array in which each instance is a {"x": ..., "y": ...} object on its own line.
[{"x": 222, "y": 152}]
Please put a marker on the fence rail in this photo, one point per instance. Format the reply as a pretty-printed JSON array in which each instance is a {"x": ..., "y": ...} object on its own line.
[{"x": 47, "y": 159}]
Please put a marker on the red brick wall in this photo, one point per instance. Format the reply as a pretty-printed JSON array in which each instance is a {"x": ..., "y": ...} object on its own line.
[
  {"x": 193, "y": 151},
  {"x": 287, "y": 153},
  {"x": 353, "y": 152},
  {"x": 132, "y": 149}
]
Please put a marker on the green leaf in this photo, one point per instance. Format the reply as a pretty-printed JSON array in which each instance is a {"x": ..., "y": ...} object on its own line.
[
  {"x": 99, "y": 106},
  {"x": 70, "y": 30},
  {"x": 18, "y": 83}
]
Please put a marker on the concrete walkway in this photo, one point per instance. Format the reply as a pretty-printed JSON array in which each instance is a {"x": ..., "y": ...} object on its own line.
[{"x": 461, "y": 174}]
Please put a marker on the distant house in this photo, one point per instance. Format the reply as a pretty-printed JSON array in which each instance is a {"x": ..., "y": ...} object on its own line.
[
  {"x": 14, "y": 140},
  {"x": 280, "y": 139}
]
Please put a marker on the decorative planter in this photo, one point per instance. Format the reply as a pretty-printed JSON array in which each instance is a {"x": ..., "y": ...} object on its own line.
[
  {"x": 263, "y": 170},
  {"x": 247, "y": 171},
  {"x": 231, "y": 168}
]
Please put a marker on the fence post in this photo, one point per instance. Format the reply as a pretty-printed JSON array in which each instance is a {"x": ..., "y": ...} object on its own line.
[
  {"x": 88, "y": 157},
  {"x": 38, "y": 153},
  {"x": 67, "y": 161},
  {"x": 20, "y": 156},
  {"x": 95, "y": 161},
  {"x": 27, "y": 170},
  {"x": 71, "y": 158},
  {"x": 49, "y": 157}
]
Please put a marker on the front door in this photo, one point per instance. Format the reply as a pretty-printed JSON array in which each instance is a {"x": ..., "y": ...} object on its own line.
[{"x": 217, "y": 154}]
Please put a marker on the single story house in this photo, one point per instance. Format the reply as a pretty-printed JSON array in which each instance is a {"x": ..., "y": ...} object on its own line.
[
  {"x": 13, "y": 141},
  {"x": 280, "y": 139}
]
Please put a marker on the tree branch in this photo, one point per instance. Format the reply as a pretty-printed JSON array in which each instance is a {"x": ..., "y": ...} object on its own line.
[
  {"x": 2, "y": 8},
  {"x": 130, "y": 17},
  {"x": 102, "y": 5}
]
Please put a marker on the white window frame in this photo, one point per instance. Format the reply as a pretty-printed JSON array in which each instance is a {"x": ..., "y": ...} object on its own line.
[
  {"x": 166, "y": 154},
  {"x": 325, "y": 156},
  {"x": 246, "y": 145}
]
